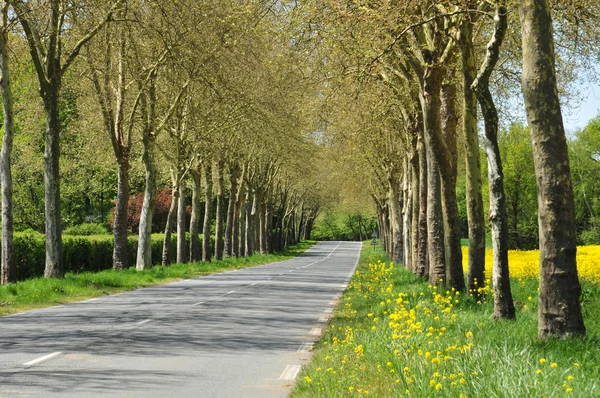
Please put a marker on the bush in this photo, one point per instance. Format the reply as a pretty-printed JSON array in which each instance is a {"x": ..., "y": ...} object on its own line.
[
  {"x": 590, "y": 237},
  {"x": 86, "y": 229},
  {"x": 80, "y": 253}
]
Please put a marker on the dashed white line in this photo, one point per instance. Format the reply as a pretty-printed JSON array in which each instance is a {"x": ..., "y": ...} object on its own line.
[
  {"x": 305, "y": 347},
  {"x": 290, "y": 372},
  {"x": 42, "y": 359},
  {"x": 143, "y": 322},
  {"x": 198, "y": 303},
  {"x": 255, "y": 283},
  {"x": 233, "y": 291},
  {"x": 328, "y": 310},
  {"x": 316, "y": 331},
  {"x": 323, "y": 319}
]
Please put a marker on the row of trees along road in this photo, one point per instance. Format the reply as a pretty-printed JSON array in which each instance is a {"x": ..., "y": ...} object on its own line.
[
  {"x": 262, "y": 113},
  {"x": 406, "y": 83},
  {"x": 147, "y": 94}
]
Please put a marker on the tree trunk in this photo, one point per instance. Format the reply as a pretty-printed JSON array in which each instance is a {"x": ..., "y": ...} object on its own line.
[
  {"x": 219, "y": 230},
  {"x": 414, "y": 230},
  {"x": 431, "y": 104},
  {"x": 231, "y": 212},
  {"x": 120, "y": 229},
  {"x": 144, "y": 252},
  {"x": 476, "y": 220},
  {"x": 454, "y": 270},
  {"x": 54, "y": 260},
  {"x": 248, "y": 233},
  {"x": 262, "y": 224},
  {"x": 195, "y": 255},
  {"x": 181, "y": 227},
  {"x": 208, "y": 198},
  {"x": 397, "y": 250},
  {"x": 407, "y": 214},
  {"x": 559, "y": 306},
  {"x": 503, "y": 302},
  {"x": 9, "y": 270},
  {"x": 422, "y": 263},
  {"x": 166, "y": 252}
]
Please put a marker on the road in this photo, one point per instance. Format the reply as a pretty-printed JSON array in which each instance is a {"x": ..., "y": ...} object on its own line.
[{"x": 242, "y": 333}]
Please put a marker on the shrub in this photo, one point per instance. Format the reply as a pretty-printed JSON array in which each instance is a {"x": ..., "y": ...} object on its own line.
[
  {"x": 86, "y": 229},
  {"x": 80, "y": 253}
]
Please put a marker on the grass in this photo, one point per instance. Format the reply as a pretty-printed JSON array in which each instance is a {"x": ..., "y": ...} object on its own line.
[
  {"x": 393, "y": 335},
  {"x": 40, "y": 292},
  {"x": 488, "y": 242}
]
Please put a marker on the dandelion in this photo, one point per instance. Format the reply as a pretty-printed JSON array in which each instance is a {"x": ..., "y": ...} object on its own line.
[
  {"x": 568, "y": 390},
  {"x": 554, "y": 365},
  {"x": 537, "y": 372},
  {"x": 469, "y": 334},
  {"x": 542, "y": 360},
  {"x": 438, "y": 386},
  {"x": 307, "y": 379}
]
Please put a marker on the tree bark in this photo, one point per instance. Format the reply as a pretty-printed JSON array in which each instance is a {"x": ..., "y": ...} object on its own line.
[
  {"x": 54, "y": 260},
  {"x": 422, "y": 259},
  {"x": 8, "y": 269},
  {"x": 166, "y": 252},
  {"x": 476, "y": 219},
  {"x": 121, "y": 209},
  {"x": 454, "y": 270},
  {"x": 181, "y": 227},
  {"x": 144, "y": 252},
  {"x": 397, "y": 250},
  {"x": 195, "y": 251},
  {"x": 248, "y": 232},
  {"x": 219, "y": 230},
  {"x": 407, "y": 213},
  {"x": 431, "y": 104},
  {"x": 414, "y": 231},
  {"x": 559, "y": 306},
  {"x": 231, "y": 212},
  {"x": 208, "y": 198},
  {"x": 503, "y": 301}
]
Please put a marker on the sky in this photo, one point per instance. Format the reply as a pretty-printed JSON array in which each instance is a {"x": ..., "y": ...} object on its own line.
[{"x": 589, "y": 107}]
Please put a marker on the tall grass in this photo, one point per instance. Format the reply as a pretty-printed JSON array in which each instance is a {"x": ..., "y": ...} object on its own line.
[{"x": 393, "y": 335}]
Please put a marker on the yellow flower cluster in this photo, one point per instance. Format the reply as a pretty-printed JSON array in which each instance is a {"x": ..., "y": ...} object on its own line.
[{"x": 526, "y": 264}]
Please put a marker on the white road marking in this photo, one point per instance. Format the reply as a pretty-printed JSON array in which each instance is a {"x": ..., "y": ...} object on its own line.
[
  {"x": 337, "y": 296},
  {"x": 255, "y": 283},
  {"x": 305, "y": 347},
  {"x": 290, "y": 372},
  {"x": 42, "y": 359},
  {"x": 328, "y": 310},
  {"x": 332, "y": 303},
  {"x": 198, "y": 303},
  {"x": 316, "y": 331},
  {"x": 324, "y": 319},
  {"x": 142, "y": 322},
  {"x": 233, "y": 291}
]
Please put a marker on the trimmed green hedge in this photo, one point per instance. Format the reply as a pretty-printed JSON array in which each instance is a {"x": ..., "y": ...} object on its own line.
[{"x": 80, "y": 253}]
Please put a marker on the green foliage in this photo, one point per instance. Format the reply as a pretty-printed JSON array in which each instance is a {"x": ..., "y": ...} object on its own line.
[
  {"x": 341, "y": 225},
  {"x": 81, "y": 253},
  {"x": 86, "y": 229}
]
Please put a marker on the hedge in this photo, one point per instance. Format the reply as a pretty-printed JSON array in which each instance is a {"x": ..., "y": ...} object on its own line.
[{"x": 80, "y": 253}]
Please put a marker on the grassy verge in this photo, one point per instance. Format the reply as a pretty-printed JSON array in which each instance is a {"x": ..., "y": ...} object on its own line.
[
  {"x": 40, "y": 292},
  {"x": 395, "y": 336}
]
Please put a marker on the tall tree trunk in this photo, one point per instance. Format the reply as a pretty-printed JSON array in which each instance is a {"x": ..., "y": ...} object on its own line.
[
  {"x": 239, "y": 243},
  {"x": 208, "y": 198},
  {"x": 476, "y": 219},
  {"x": 397, "y": 250},
  {"x": 262, "y": 224},
  {"x": 9, "y": 270},
  {"x": 559, "y": 306},
  {"x": 166, "y": 252},
  {"x": 454, "y": 269},
  {"x": 407, "y": 213},
  {"x": 503, "y": 301},
  {"x": 219, "y": 230},
  {"x": 231, "y": 211},
  {"x": 422, "y": 250},
  {"x": 181, "y": 227},
  {"x": 195, "y": 250},
  {"x": 54, "y": 260},
  {"x": 121, "y": 209},
  {"x": 144, "y": 252},
  {"x": 249, "y": 233},
  {"x": 431, "y": 105},
  {"x": 414, "y": 230}
]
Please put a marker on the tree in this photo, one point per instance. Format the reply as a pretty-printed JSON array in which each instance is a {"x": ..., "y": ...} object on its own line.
[
  {"x": 46, "y": 48},
  {"x": 559, "y": 306},
  {"x": 9, "y": 270}
]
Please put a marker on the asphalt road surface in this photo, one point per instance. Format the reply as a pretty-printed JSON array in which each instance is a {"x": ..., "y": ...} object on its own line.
[{"x": 243, "y": 333}]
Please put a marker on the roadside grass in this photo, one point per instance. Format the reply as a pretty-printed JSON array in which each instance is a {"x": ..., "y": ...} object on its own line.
[
  {"x": 40, "y": 292},
  {"x": 394, "y": 336}
]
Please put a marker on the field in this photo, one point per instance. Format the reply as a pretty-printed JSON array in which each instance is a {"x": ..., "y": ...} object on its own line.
[{"x": 393, "y": 335}]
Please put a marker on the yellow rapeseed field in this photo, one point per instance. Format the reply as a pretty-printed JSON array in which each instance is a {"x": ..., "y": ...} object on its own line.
[{"x": 526, "y": 264}]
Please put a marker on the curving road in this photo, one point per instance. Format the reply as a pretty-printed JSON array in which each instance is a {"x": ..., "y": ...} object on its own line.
[{"x": 243, "y": 333}]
